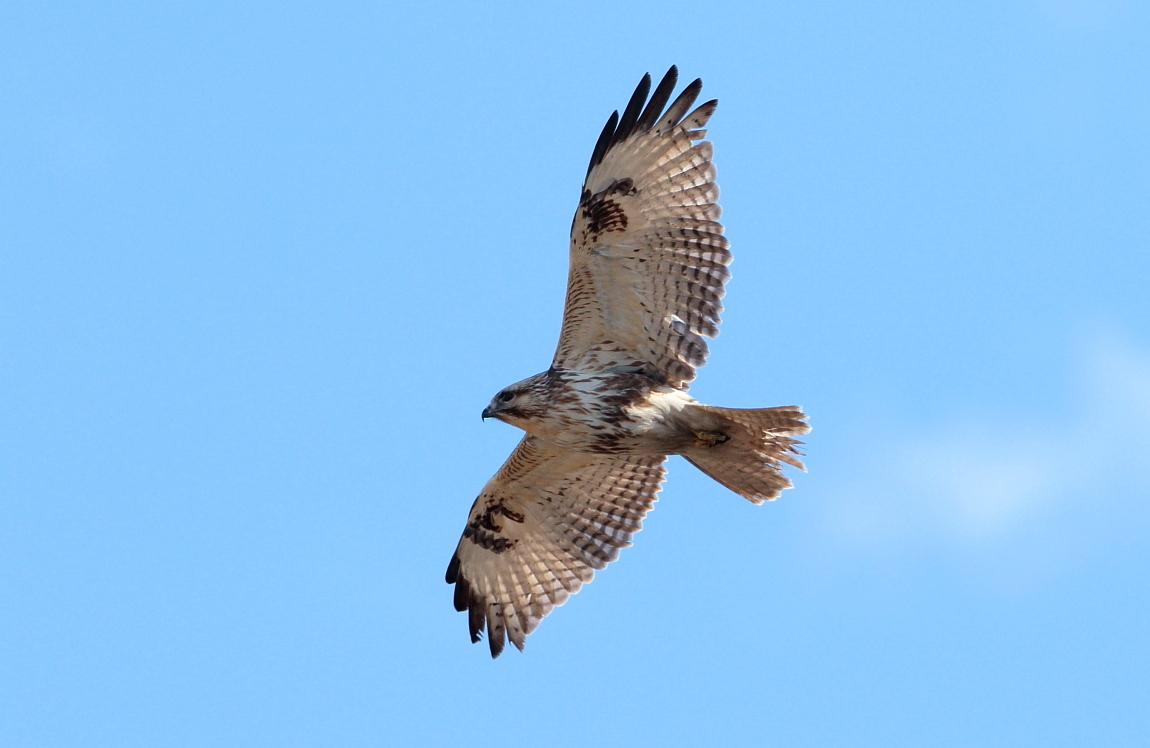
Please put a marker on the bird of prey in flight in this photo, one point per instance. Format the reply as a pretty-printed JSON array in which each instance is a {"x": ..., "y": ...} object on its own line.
[{"x": 648, "y": 262}]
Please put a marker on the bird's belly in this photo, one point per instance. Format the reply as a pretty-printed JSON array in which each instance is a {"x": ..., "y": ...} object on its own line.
[{"x": 649, "y": 427}]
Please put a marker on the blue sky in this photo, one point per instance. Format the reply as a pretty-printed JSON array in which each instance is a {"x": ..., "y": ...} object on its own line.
[{"x": 262, "y": 265}]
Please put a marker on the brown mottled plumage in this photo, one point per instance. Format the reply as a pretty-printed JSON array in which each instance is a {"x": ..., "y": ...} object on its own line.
[{"x": 648, "y": 266}]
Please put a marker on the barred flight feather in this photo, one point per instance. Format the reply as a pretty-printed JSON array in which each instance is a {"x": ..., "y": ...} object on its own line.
[
  {"x": 563, "y": 515},
  {"x": 664, "y": 225}
]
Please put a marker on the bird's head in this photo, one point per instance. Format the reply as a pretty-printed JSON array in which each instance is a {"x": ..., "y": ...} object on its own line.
[{"x": 519, "y": 402}]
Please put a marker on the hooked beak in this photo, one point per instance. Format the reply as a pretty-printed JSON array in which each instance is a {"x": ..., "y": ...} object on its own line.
[{"x": 486, "y": 413}]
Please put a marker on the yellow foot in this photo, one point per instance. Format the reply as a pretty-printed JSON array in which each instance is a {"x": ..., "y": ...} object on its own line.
[{"x": 710, "y": 438}]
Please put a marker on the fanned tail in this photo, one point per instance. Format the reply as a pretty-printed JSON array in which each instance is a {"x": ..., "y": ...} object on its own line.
[{"x": 744, "y": 448}]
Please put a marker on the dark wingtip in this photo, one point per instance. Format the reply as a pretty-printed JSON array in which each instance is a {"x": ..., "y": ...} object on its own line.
[
  {"x": 682, "y": 104},
  {"x": 633, "y": 110},
  {"x": 452, "y": 569},
  {"x": 475, "y": 617},
  {"x": 658, "y": 100},
  {"x": 603, "y": 142},
  {"x": 639, "y": 118},
  {"x": 462, "y": 595}
]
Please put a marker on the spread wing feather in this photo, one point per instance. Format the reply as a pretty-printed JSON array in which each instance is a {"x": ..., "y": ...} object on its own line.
[
  {"x": 540, "y": 528},
  {"x": 648, "y": 256}
]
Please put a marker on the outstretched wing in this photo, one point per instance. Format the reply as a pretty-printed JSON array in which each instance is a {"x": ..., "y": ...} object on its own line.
[
  {"x": 540, "y": 528},
  {"x": 648, "y": 256}
]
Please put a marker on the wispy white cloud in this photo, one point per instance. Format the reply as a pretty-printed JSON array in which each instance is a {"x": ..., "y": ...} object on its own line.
[{"x": 988, "y": 479}]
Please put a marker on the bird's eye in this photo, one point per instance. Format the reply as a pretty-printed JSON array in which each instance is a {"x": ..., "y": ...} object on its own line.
[{"x": 506, "y": 397}]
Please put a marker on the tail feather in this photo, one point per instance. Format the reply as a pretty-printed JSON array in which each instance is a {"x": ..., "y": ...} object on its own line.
[{"x": 744, "y": 448}]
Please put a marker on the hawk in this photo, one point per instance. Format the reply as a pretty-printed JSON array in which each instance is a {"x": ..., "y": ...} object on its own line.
[{"x": 648, "y": 262}]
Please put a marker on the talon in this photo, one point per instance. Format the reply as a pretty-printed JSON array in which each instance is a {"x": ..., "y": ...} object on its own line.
[{"x": 710, "y": 438}]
